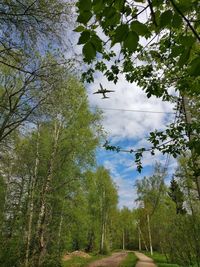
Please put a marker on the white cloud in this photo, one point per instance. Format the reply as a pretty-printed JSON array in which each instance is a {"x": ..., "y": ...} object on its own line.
[
  {"x": 127, "y": 124},
  {"x": 126, "y": 191}
]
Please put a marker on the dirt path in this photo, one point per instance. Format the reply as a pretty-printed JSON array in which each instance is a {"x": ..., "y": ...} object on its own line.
[
  {"x": 144, "y": 261},
  {"x": 112, "y": 261}
]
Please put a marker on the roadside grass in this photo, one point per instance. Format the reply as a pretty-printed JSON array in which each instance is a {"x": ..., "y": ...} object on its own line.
[
  {"x": 129, "y": 261},
  {"x": 161, "y": 260},
  {"x": 80, "y": 261}
]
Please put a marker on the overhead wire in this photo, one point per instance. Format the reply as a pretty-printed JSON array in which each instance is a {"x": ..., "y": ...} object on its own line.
[{"x": 133, "y": 110}]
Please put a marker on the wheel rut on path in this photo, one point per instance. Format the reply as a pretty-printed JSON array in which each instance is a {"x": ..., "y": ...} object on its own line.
[
  {"x": 144, "y": 261},
  {"x": 112, "y": 261}
]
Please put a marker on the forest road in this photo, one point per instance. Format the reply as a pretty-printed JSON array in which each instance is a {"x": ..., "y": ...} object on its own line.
[
  {"x": 112, "y": 261},
  {"x": 144, "y": 261}
]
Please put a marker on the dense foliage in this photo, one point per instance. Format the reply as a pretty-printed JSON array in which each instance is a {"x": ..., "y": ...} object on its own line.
[{"x": 168, "y": 217}]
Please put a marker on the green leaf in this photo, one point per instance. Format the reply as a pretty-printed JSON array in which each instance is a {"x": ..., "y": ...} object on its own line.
[
  {"x": 176, "y": 51},
  {"x": 84, "y": 17},
  {"x": 119, "y": 4},
  {"x": 184, "y": 57},
  {"x": 109, "y": 12},
  {"x": 176, "y": 21},
  {"x": 80, "y": 28},
  {"x": 98, "y": 5},
  {"x": 85, "y": 36},
  {"x": 121, "y": 33},
  {"x": 84, "y": 5},
  {"x": 185, "y": 5},
  {"x": 194, "y": 69},
  {"x": 96, "y": 41},
  {"x": 166, "y": 18},
  {"x": 131, "y": 42},
  {"x": 139, "y": 28},
  {"x": 187, "y": 41},
  {"x": 157, "y": 2},
  {"x": 113, "y": 20},
  {"x": 89, "y": 51}
]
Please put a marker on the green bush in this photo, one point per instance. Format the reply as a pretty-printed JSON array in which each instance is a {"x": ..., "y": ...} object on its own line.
[{"x": 105, "y": 250}]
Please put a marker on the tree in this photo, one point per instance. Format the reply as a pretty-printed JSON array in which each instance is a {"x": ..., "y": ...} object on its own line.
[
  {"x": 27, "y": 59},
  {"x": 174, "y": 223},
  {"x": 151, "y": 193},
  {"x": 28, "y": 24},
  {"x": 127, "y": 227},
  {"x": 22, "y": 94},
  {"x": 107, "y": 202},
  {"x": 43, "y": 176},
  {"x": 177, "y": 196}
]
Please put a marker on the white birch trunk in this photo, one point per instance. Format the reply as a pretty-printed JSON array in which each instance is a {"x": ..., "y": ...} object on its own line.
[
  {"x": 142, "y": 237},
  {"x": 33, "y": 183},
  {"x": 139, "y": 239},
  {"x": 149, "y": 232},
  {"x": 42, "y": 213},
  {"x": 123, "y": 240}
]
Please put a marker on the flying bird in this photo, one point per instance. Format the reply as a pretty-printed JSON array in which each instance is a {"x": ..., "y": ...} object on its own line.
[{"x": 103, "y": 91}]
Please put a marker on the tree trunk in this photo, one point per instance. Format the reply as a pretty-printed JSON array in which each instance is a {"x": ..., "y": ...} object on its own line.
[
  {"x": 102, "y": 237},
  {"x": 142, "y": 237},
  {"x": 139, "y": 239},
  {"x": 149, "y": 232},
  {"x": 31, "y": 207},
  {"x": 123, "y": 241},
  {"x": 60, "y": 228},
  {"x": 103, "y": 218},
  {"x": 42, "y": 213}
]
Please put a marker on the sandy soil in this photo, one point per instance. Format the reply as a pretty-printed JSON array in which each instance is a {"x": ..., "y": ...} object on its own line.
[
  {"x": 144, "y": 261},
  {"x": 112, "y": 261}
]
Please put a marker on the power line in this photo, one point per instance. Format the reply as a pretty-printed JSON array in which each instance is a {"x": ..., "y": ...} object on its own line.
[{"x": 134, "y": 110}]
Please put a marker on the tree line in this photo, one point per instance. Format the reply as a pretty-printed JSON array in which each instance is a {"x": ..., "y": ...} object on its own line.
[{"x": 168, "y": 215}]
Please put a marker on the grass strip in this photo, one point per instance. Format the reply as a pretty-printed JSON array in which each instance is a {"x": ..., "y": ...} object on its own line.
[
  {"x": 161, "y": 260},
  {"x": 129, "y": 261}
]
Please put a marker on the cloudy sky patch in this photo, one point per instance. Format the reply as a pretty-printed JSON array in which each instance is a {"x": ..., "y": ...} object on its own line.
[{"x": 129, "y": 129}]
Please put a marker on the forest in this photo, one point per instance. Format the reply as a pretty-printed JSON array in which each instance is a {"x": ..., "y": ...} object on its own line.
[{"x": 58, "y": 206}]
